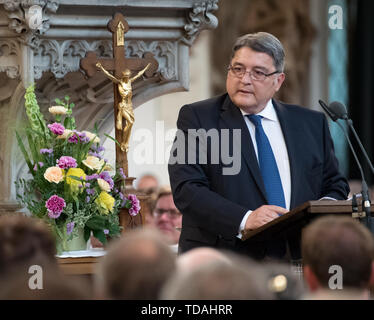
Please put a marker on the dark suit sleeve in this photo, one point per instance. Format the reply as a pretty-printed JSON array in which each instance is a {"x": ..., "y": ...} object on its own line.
[
  {"x": 190, "y": 183},
  {"x": 334, "y": 184}
]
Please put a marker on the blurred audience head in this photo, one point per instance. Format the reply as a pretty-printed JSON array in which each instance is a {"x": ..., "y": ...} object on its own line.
[
  {"x": 195, "y": 258},
  {"x": 24, "y": 241},
  {"x": 43, "y": 284},
  {"x": 135, "y": 267},
  {"x": 147, "y": 182},
  {"x": 168, "y": 219},
  {"x": 28, "y": 266},
  {"x": 337, "y": 252},
  {"x": 236, "y": 279}
]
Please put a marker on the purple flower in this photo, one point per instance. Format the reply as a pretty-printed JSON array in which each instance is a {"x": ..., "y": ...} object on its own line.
[
  {"x": 95, "y": 154},
  {"x": 87, "y": 185},
  {"x": 44, "y": 151},
  {"x": 41, "y": 164},
  {"x": 55, "y": 206},
  {"x": 83, "y": 138},
  {"x": 70, "y": 227},
  {"x": 123, "y": 198},
  {"x": 122, "y": 174},
  {"x": 92, "y": 177},
  {"x": 78, "y": 136},
  {"x": 73, "y": 138},
  {"x": 106, "y": 176},
  {"x": 88, "y": 199},
  {"x": 90, "y": 191},
  {"x": 56, "y": 128},
  {"x": 66, "y": 162},
  {"x": 106, "y": 231}
]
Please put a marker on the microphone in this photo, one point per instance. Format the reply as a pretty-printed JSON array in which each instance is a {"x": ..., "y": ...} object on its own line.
[
  {"x": 337, "y": 111},
  {"x": 341, "y": 112},
  {"x": 333, "y": 116}
]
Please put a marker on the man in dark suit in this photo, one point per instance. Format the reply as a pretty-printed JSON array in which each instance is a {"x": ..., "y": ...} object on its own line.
[{"x": 282, "y": 155}]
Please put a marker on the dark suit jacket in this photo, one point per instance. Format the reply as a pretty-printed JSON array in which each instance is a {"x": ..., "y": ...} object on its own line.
[{"x": 213, "y": 204}]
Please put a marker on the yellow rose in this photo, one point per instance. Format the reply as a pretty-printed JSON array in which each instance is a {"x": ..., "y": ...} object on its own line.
[
  {"x": 65, "y": 135},
  {"x": 58, "y": 110},
  {"x": 103, "y": 185},
  {"x": 92, "y": 136},
  {"x": 105, "y": 202},
  {"x": 77, "y": 172},
  {"x": 54, "y": 174},
  {"x": 93, "y": 163}
]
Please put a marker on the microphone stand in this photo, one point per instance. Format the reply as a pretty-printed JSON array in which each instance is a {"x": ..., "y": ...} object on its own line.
[{"x": 365, "y": 191}]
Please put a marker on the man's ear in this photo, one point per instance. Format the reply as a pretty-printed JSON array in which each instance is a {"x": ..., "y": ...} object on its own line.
[
  {"x": 279, "y": 81},
  {"x": 311, "y": 279}
]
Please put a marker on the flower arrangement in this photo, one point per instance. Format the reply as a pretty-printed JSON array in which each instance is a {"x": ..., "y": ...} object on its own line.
[{"x": 71, "y": 185}]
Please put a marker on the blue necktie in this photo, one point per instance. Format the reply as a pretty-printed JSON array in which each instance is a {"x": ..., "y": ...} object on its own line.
[{"x": 268, "y": 165}]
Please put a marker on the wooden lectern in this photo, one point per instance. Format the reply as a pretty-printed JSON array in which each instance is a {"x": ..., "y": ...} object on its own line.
[{"x": 299, "y": 217}]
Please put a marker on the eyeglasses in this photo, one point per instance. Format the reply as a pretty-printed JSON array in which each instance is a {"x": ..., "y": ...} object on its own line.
[
  {"x": 172, "y": 213},
  {"x": 256, "y": 75}
]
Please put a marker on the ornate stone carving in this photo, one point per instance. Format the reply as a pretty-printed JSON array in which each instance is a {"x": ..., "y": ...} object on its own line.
[
  {"x": 9, "y": 52},
  {"x": 21, "y": 21},
  {"x": 62, "y": 57},
  {"x": 164, "y": 51},
  {"x": 199, "y": 18}
]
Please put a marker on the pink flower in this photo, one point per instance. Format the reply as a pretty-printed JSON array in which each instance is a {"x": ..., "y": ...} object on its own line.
[
  {"x": 56, "y": 128},
  {"x": 55, "y": 206},
  {"x": 135, "y": 205},
  {"x": 66, "y": 162}
]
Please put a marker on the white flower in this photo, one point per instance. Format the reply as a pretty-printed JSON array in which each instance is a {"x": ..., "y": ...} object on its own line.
[
  {"x": 93, "y": 163},
  {"x": 108, "y": 167},
  {"x": 58, "y": 110},
  {"x": 65, "y": 135},
  {"x": 104, "y": 186},
  {"x": 92, "y": 136}
]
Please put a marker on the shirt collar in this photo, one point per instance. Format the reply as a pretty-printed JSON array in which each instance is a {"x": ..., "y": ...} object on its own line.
[{"x": 268, "y": 112}]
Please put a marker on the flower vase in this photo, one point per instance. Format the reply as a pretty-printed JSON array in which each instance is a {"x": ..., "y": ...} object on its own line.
[{"x": 75, "y": 244}]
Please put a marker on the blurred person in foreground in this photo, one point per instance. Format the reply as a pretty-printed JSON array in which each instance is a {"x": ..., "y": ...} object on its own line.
[
  {"x": 338, "y": 254},
  {"x": 232, "y": 278},
  {"x": 28, "y": 266},
  {"x": 135, "y": 267}
]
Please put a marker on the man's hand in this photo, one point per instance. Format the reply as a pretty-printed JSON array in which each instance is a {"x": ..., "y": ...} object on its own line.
[
  {"x": 263, "y": 215},
  {"x": 98, "y": 64}
]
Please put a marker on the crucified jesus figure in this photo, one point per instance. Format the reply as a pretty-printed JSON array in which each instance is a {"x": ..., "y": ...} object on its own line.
[{"x": 125, "y": 109}]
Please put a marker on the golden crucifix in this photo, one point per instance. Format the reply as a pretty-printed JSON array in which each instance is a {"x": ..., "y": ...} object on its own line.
[
  {"x": 125, "y": 109},
  {"x": 119, "y": 69}
]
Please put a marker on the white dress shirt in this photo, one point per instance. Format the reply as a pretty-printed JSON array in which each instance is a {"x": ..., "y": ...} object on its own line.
[{"x": 273, "y": 131}]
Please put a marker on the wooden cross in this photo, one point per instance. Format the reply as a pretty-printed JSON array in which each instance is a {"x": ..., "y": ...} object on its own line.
[{"x": 118, "y": 26}]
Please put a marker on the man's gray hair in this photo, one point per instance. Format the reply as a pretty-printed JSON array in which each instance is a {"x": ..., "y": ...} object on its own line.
[{"x": 262, "y": 42}]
